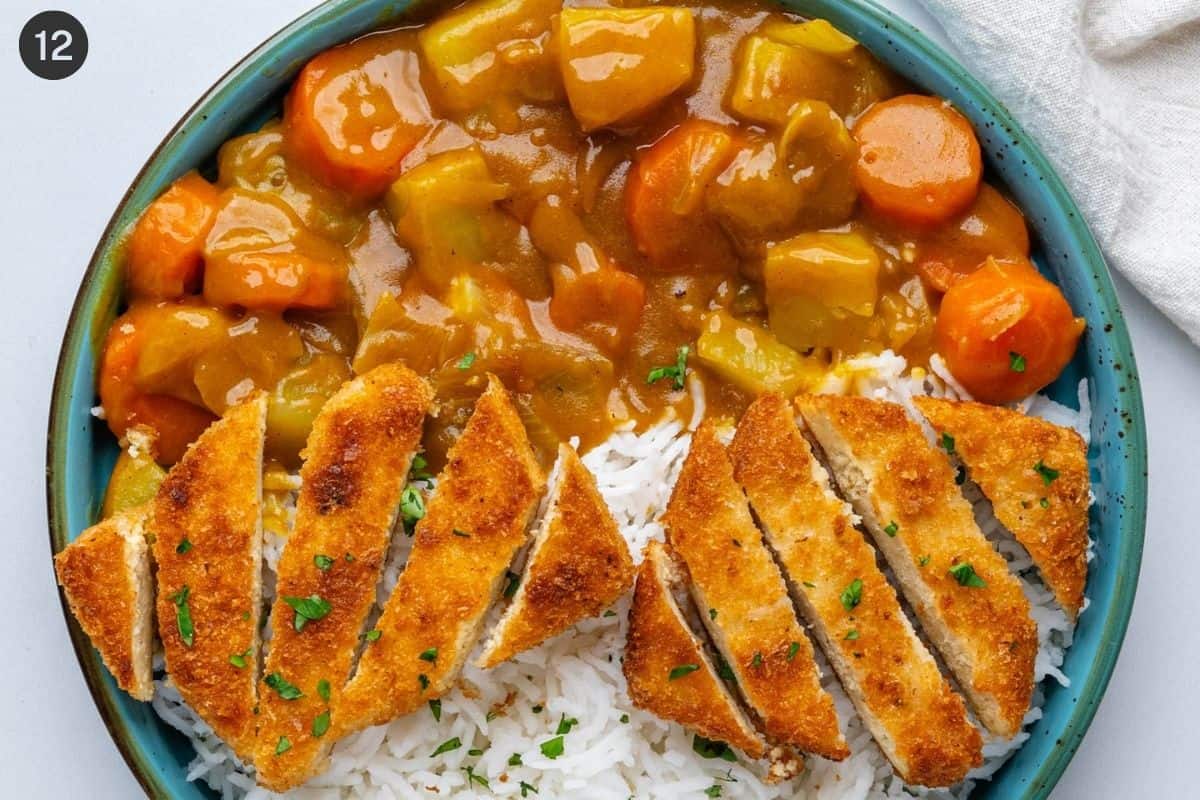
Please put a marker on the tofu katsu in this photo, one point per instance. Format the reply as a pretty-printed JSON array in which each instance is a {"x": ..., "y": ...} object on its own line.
[
  {"x": 475, "y": 523},
  {"x": 970, "y": 605},
  {"x": 1036, "y": 476},
  {"x": 578, "y": 565},
  {"x": 744, "y": 602},
  {"x": 918, "y": 721},
  {"x": 207, "y": 526},
  {"x": 356, "y": 467},
  {"x": 666, "y": 667},
  {"x": 105, "y": 576}
]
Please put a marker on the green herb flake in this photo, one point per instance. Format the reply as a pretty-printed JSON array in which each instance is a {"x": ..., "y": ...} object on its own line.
[
  {"x": 281, "y": 686},
  {"x": 514, "y": 581},
  {"x": 283, "y": 745},
  {"x": 423, "y": 679},
  {"x": 473, "y": 778},
  {"x": 412, "y": 508},
  {"x": 419, "y": 471},
  {"x": 435, "y": 707},
  {"x": 810, "y": 584},
  {"x": 757, "y": 660},
  {"x": 892, "y": 529},
  {"x": 491, "y": 715},
  {"x": 239, "y": 659},
  {"x": 565, "y": 725},
  {"x": 322, "y": 562},
  {"x": 474, "y": 751},
  {"x": 713, "y": 791},
  {"x": 793, "y": 648},
  {"x": 923, "y": 561},
  {"x": 372, "y": 635},
  {"x": 947, "y": 442},
  {"x": 624, "y": 719},
  {"x": 429, "y": 655},
  {"x": 183, "y": 616},
  {"x": 965, "y": 574},
  {"x": 1044, "y": 503},
  {"x": 852, "y": 595},
  {"x": 610, "y": 613},
  {"x": 536, "y": 709},
  {"x": 308, "y": 609},
  {"x": 676, "y": 372},
  {"x": 447, "y": 746},
  {"x": 712, "y": 613},
  {"x": 461, "y": 534},
  {"x": 682, "y": 670},
  {"x": 527, "y": 787},
  {"x": 710, "y": 748},
  {"x": 321, "y": 724},
  {"x": 1048, "y": 474},
  {"x": 349, "y": 558},
  {"x": 852, "y": 635},
  {"x": 323, "y": 689},
  {"x": 466, "y": 361},
  {"x": 1016, "y": 362},
  {"x": 184, "y": 546},
  {"x": 552, "y": 748},
  {"x": 515, "y": 760}
]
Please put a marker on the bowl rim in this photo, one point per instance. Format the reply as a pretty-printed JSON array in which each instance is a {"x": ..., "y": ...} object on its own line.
[{"x": 1132, "y": 529}]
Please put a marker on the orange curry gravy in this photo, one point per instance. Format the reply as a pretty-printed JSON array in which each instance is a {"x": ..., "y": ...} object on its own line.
[{"x": 460, "y": 198}]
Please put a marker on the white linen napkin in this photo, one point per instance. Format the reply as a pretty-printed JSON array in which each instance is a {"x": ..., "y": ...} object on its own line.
[{"x": 1110, "y": 89}]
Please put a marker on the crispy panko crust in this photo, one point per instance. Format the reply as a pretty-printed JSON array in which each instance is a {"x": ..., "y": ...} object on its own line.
[
  {"x": 754, "y": 625},
  {"x": 919, "y": 722},
  {"x": 473, "y": 526},
  {"x": 356, "y": 466},
  {"x": 211, "y": 498},
  {"x": 578, "y": 566},
  {"x": 1000, "y": 448},
  {"x": 658, "y": 641},
  {"x": 893, "y": 475},
  {"x": 105, "y": 576}
]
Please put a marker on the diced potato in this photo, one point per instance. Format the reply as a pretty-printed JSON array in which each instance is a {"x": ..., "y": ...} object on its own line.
[
  {"x": 492, "y": 50},
  {"x": 134, "y": 480},
  {"x": 804, "y": 323},
  {"x": 756, "y": 198},
  {"x": 816, "y": 35},
  {"x": 175, "y": 337},
  {"x": 906, "y": 317},
  {"x": 841, "y": 270},
  {"x": 419, "y": 332},
  {"x": 296, "y": 401},
  {"x": 618, "y": 63},
  {"x": 752, "y": 358}
]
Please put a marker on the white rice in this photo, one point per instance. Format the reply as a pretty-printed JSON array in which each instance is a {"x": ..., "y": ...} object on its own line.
[{"x": 513, "y": 708}]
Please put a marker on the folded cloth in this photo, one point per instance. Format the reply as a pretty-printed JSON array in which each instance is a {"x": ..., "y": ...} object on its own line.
[{"x": 1110, "y": 89}]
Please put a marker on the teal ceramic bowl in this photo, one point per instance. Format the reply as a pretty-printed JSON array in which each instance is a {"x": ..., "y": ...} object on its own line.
[{"x": 81, "y": 451}]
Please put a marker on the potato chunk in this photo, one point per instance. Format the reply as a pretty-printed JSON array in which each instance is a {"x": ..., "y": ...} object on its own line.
[
  {"x": 752, "y": 358},
  {"x": 619, "y": 62}
]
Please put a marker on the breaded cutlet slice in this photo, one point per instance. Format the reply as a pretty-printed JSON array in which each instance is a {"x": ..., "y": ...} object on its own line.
[
  {"x": 1036, "y": 476},
  {"x": 105, "y": 576},
  {"x": 207, "y": 525},
  {"x": 919, "y": 722},
  {"x": 971, "y": 606},
  {"x": 474, "y": 524},
  {"x": 356, "y": 466},
  {"x": 660, "y": 644},
  {"x": 578, "y": 565},
  {"x": 744, "y": 602}
]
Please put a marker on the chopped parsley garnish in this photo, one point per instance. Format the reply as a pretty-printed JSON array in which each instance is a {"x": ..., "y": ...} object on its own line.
[
  {"x": 239, "y": 659},
  {"x": 714, "y": 790},
  {"x": 284, "y": 689},
  {"x": 710, "y": 748},
  {"x": 435, "y": 708},
  {"x": 321, "y": 724},
  {"x": 473, "y": 778},
  {"x": 510, "y": 588},
  {"x": 1044, "y": 503},
  {"x": 423, "y": 679},
  {"x": 947, "y": 442},
  {"x": 610, "y": 613},
  {"x": 466, "y": 361},
  {"x": 712, "y": 613},
  {"x": 757, "y": 660},
  {"x": 964, "y": 573},
  {"x": 852, "y": 635},
  {"x": 183, "y": 616},
  {"x": 447, "y": 746},
  {"x": 526, "y": 787},
  {"x": 536, "y": 709},
  {"x": 515, "y": 760},
  {"x": 322, "y": 562},
  {"x": 793, "y": 648},
  {"x": 372, "y": 635},
  {"x": 323, "y": 689},
  {"x": 852, "y": 595},
  {"x": 429, "y": 655},
  {"x": 923, "y": 560},
  {"x": 960, "y": 476},
  {"x": 565, "y": 725},
  {"x": 676, "y": 372},
  {"x": 682, "y": 670},
  {"x": 624, "y": 719},
  {"x": 1048, "y": 474},
  {"x": 412, "y": 508},
  {"x": 724, "y": 670},
  {"x": 283, "y": 745},
  {"x": 553, "y": 748},
  {"x": 892, "y": 528},
  {"x": 419, "y": 471},
  {"x": 810, "y": 584},
  {"x": 462, "y": 534},
  {"x": 474, "y": 751},
  {"x": 184, "y": 546},
  {"x": 491, "y": 715},
  {"x": 308, "y": 609},
  {"x": 349, "y": 558},
  {"x": 1016, "y": 362}
]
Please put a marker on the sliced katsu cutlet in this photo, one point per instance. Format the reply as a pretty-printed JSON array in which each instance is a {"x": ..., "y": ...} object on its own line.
[
  {"x": 666, "y": 668},
  {"x": 578, "y": 565},
  {"x": 474, "y": 524},
  {"x": 970, "y": 605},
  {"x": 919, "y": 722},
  {"x": 356, "y": 466},
  {"x": 1036, "y": 476},
  {"x": 207, "y": 526},
  {"x": 105, "y": 576},
  {"x": 744, "y": 602}
]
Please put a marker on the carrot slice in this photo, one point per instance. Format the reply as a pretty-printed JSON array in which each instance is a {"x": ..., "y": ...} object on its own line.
[
  {"x": 177, "y": 422},
  {"x": 918, "y": 161},
  {"x": 165, "y": 255},
  {"x": 664, "y": 198},
  {"x": 605, "y": 306},
  {"x": 272, "y": 281},
  {"x": 355, "y": 111},
  {"x": 1005, "y": 331}
]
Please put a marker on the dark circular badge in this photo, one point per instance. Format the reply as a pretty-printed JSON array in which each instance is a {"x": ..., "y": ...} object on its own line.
[{"x": 53, "y": 45}]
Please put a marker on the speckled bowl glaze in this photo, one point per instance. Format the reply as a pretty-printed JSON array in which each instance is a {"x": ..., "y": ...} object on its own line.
[{"x": 81, "y": 451}]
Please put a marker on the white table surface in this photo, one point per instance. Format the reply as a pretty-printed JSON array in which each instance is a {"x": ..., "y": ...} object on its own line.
[{"x": 70, "y": 148}]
